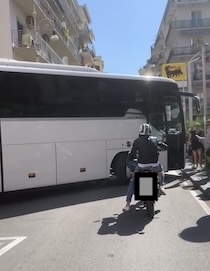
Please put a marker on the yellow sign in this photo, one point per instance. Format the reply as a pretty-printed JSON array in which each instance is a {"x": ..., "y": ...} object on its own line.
[{"x": 175, "y": 71}]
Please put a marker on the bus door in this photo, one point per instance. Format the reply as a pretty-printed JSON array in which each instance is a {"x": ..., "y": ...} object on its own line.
[
  {"x": 175, "y": 130},
  {"x": 156, "y": 118},
  {"x": 166, "y": 118}
]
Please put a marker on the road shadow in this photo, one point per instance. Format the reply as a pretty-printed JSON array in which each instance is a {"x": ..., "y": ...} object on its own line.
[
  {"x": 188, "y": 173},
  {"x": 201, "y": 173},
  {"x": 126, "y": 223},
  {"x": 202, "y": 197},
  {"x": 202, "y": 181},
  {"x": 27, "y": 202},
  {"x": 169, "y": 178},
  {"x": 172, "y": 181},
  {"x": 199, "y": 233},
  {"x": 174, "y": 185}
]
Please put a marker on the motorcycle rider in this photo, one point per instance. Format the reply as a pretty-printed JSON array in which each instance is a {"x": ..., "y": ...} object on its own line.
[{"x": 147, "y": 152}]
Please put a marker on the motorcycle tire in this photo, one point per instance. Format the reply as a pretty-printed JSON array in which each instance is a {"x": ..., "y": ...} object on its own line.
[{"x": 150, "y": 209}]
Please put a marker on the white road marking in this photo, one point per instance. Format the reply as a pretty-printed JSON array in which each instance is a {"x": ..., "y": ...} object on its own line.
[
  {"x": 16, "y": 241},
  {"x": 202, "y": 203}
]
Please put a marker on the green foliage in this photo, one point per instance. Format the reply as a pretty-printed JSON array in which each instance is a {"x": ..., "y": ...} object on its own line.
[{"x": 66, "y": 33}]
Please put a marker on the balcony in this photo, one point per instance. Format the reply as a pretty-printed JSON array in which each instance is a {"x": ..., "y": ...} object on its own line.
[
  {"x": 83, "y": 13},
  {"x": 190, "y": 24},
  {"x": 27, "y": 45},
  {"x": 72, "y": 52},
  {"x": 184, "y": 51},
  {"x": 86, "y": 34},
  {"x": 88, "y": 55},
  {"x": 187, "y": 2},
  {"x": 187, "y": 51},
  {"x": 189, "y": 27},
  {"x": 65, "y": 46},
  {"x": 67, "y": 10}
]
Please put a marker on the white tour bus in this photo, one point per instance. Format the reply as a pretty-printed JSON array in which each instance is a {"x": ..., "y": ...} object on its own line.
[{"x": 64, "y": 124}]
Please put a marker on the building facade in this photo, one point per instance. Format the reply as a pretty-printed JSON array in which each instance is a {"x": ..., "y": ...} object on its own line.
[
  {"x": 48, "y": 31},
  {"x": 184, "y": 29}
]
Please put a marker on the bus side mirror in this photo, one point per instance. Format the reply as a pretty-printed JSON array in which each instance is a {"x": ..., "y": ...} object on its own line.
[
  {"x": 195, "y": 97},
  {"x": 197, "y": 103}
]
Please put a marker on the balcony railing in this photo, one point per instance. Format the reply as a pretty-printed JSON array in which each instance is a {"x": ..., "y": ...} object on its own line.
[
  {"x": 90, "y": 50},
  {"x": 84, "y": 26},
  {"x": 84, "y": 29},
  {"x": 74, "y": 50},
  {"x": 185, "y": 51},
  {"x": 190, "y": 1},
  {"x": 183, "y": 24},
  {"x": 22, "y": 39},
  {"x": 46, "y": 50},
  {"x": 49, "y": 13},
  {"x": 70, "y": 13}
]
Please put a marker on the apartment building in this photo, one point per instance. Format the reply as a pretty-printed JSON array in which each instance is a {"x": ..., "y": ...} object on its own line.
[
  {"x": 185, "y": 26},
  {"x": 48, "y": 31}
]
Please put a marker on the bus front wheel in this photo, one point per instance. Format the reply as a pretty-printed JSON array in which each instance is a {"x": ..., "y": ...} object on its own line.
[{"x": 121, "y": 171}]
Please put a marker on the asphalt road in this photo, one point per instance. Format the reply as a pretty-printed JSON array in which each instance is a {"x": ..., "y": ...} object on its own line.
[{"x": 83, "y": 228}]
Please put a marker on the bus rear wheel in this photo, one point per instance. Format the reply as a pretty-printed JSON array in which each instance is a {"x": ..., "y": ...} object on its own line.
[{"x": 121, "y": 171}]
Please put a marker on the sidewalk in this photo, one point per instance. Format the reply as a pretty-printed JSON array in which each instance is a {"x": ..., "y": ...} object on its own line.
[{"x": 199, "y": 178}]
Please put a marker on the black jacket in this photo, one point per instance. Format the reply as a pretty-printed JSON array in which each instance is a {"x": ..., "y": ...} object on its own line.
[{"x": 145, "y": 150}]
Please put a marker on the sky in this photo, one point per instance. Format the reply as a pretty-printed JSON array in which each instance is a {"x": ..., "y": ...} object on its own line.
[{"x": 124, "y": 31}]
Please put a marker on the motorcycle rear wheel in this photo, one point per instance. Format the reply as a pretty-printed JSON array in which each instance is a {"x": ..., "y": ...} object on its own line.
[{"x": 150, "y": 209}]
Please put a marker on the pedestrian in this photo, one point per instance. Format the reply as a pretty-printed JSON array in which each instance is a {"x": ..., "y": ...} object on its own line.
[
  {"x": 206, "y": 142},
  {"x": 196, "y": 145}
]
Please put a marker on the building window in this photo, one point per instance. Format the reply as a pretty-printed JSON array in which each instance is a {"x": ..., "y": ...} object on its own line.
[{"x": 196, "y": 18}]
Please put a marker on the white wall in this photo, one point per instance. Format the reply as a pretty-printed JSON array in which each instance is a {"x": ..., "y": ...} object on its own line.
[
  {"x": 184, "y": 13},
  {"x": 9, "y": 14},
  {"x": 5, "y": 30},
  {"x": 16, "y": 14}
]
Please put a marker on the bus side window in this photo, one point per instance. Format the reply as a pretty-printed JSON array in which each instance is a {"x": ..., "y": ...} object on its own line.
[
  {"x": 64, "y": 96},
  {"x": 15, "y": 94}
]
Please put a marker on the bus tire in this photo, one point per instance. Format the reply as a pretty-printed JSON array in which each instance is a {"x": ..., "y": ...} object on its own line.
[{"x": 121, "y": 171}]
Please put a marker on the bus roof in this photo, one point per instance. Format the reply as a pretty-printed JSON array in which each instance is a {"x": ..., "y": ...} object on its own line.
[
  {"x": 48, "y": 68},
  {"x": 12, "y": 62}
]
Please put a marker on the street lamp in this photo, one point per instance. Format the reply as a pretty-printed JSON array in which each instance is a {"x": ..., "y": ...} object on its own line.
[
  {"x": 204, "y": 47},
  {"x": 54, "y": 36}
]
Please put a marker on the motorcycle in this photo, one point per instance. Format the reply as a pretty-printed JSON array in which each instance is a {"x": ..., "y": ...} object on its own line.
[{"x": 150, "y": 205}]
